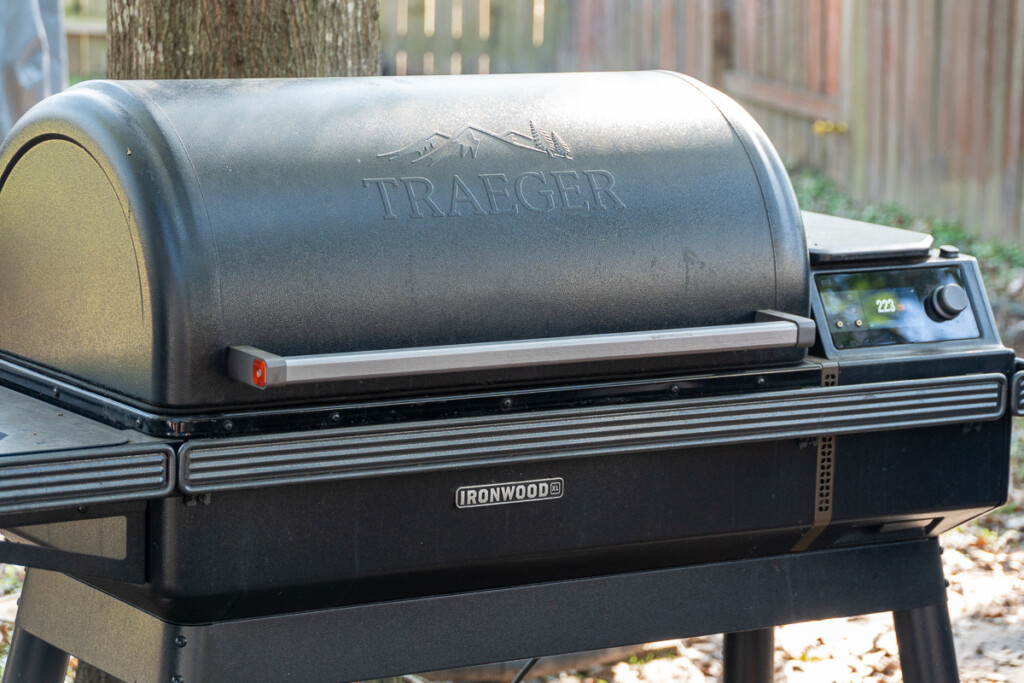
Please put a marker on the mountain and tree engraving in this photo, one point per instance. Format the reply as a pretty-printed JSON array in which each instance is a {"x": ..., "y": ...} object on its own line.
[{"x": 439, "y": 146}]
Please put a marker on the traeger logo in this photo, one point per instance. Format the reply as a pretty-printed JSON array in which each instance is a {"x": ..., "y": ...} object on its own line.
[
  {"x": 509, "y": 492},
  {"x": 481, "y": 194}
]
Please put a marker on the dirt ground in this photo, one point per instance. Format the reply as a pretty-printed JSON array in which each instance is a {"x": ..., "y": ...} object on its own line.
[{"x": 984, "y": 563}]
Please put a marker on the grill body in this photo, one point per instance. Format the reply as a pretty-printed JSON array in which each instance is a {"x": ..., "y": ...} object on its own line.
[{"x": 222, "y": 443}]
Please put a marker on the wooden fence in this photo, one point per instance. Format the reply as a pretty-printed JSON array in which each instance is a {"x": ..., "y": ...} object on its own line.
[
  {"x": 506, "y": 36},
  {"x": 918, "y": 101},
  {"x": 87, "y": 47},
  {"x": 785, "y": 65},
  {"x": 926, "y": 107}
]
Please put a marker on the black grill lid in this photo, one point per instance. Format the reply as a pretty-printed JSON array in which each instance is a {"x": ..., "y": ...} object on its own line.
[{"x": 146, "y": 227}]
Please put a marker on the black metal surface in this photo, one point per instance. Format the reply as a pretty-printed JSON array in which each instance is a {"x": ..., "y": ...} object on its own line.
[
  {"x": 474, "y": 401},
  {"x": 835, "y": 240},
  {"x": 749, "y": 656},
  {"x": 31, "y": 426},
  {"x": 1017, "y": 394},
  {"x": 53, "y": 459},
  {"x": 108, "y": 542},
  {"x": 557, "y": 435},
  {"x": 253, "y": 212},
  {"x": 386, "y": 639},
  {"x": 85, "y": 476},
  {"x": 925, "y": 639},
  {"x": 385, "y": 538},
  {"x": 216, "y": 556},
  {"x": 32, "y": 660}
]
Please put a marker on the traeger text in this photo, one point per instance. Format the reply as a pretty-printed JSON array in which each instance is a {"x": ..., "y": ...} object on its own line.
[{"x": 496, "y": 194}]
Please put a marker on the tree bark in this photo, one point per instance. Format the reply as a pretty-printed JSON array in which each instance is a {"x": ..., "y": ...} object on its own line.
[
  {"x": 87, "y": 673},
  {"x": 155, "y": 39},
  {"x": 242, "y": 38}
]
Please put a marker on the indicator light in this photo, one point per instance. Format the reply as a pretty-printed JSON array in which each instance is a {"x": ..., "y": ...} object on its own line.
[{"x": 259, "y": 373}]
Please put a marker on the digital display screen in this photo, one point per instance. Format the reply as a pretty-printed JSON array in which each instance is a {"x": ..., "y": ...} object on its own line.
[{"x": 876, "y": 308}]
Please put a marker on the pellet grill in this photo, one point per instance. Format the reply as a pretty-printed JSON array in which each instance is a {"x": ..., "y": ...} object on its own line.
[{"x": 336, "y": 379}]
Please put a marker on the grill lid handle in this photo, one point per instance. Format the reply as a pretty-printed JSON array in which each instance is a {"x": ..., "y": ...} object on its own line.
[{"x": 771, "y": 330}]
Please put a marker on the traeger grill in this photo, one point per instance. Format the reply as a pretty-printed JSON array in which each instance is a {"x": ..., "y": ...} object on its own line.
[{"x": 351, "y": 378}]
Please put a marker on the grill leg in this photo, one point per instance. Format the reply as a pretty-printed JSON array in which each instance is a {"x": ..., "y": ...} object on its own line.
[
  {"x": 33, "y": 660},
  {"x": 749, "y": 657},
  {"x": 925, "y": 638}
]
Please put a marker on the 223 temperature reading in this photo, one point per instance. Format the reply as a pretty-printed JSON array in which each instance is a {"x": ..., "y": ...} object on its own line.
[{"x": 886, "y": 305}]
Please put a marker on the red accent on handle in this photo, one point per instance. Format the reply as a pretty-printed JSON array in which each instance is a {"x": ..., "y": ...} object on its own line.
[{"x": 259, "y": 373}]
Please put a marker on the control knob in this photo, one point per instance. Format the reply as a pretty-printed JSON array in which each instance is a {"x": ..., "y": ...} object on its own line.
[{"x": 947, "y": 302}]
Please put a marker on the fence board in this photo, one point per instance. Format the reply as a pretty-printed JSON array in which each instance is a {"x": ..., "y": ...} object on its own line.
[
  {"x": 960, "y": 78},
  {"x": 833, "y": 40},
  {"x": 815, "y": 40},
  {"x": 667, "y": 40},
  {"x": 918, "y": 105},
  {"x": 838, "y": 28},
  {"x": 998, "y": 67},
  {"x": 880, "y": 65},
  {"x": 1013, "y": 167},
  {"x": 895, "y": 58},
  {"x": 979, "y": 94},
  {"x": 857, "y": 98}
]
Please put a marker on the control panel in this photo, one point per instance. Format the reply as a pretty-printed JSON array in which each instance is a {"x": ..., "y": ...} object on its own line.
[{"x": 869, "y": 308}]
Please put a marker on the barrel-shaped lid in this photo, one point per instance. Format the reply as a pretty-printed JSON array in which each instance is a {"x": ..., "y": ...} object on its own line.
[{"x": 329, "y": 216}]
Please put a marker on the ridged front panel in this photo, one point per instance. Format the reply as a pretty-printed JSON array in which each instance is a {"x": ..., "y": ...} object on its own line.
[
  {"x": 84, "y": 477},
  {"x": 375, "y": 451},
  {"x": 1017, "y": 394}
]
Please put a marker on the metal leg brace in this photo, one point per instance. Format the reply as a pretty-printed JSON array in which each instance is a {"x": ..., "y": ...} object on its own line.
[
  {"x": 749, "y": 656},
  {"x": 927, "y": 652},
  {"x": 33, "y": 660}
]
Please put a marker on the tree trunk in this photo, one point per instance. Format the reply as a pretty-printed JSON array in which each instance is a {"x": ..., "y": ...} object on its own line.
[
  {"x": 242, "y": 38},
  {"x": 238, "y": 39},
  {"x": 90, "y": 674}
]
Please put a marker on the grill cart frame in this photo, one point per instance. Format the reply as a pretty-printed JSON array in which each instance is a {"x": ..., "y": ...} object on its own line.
[{"x": 743, "y": 598}]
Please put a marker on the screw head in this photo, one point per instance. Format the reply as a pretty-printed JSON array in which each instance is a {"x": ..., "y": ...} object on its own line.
[
  {"x": 335, "y": 417},
  {"x": 674, "y": 389},
  {"x": 506, "y": 403},
  {"x": 82, "y": 508},
  {"x": 228, "y": 425},
  {"x": 181, "y": 641},
  {"x": 177, "y": 679},
  {"x": 138, "y": 423},
  {"x": 761, "y": 381},
  {"x": 56, "y": 391}
]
